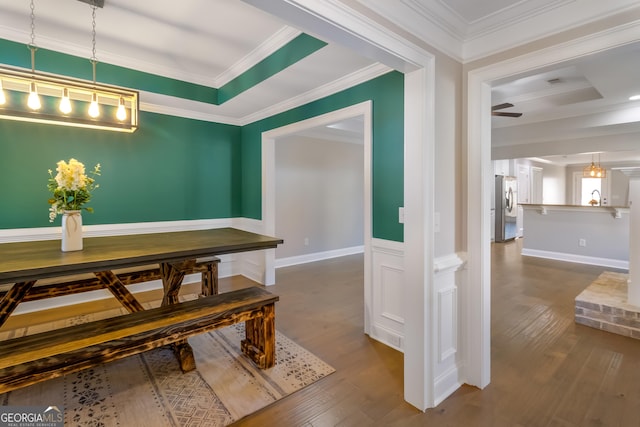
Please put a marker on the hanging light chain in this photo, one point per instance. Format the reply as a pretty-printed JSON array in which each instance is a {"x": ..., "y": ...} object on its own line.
[
  {"x": 32, "y": 45},
  {"x": 33, "y": 25},
  {"x": 94, "y": 59}
]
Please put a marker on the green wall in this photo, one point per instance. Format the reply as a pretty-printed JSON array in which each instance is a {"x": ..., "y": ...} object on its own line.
[
  {"x": 387, "y": 95},
  {"x": 171, "y": 168},
  {"x": 174, "y": 168}
]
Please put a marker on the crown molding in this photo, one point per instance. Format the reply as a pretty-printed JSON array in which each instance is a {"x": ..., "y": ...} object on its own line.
[
  {"x": 267, "y": 48},
  {"x": 523, "y": 22},
  {"x": 285, "y": 35},
  {"x": 542, "y": 25},
  {"x": 164, "y": 104},
  {"x": 332, "y": 20},
  {"x": 353, "y": 79},
  {"x": 168, "y": 105},
  {"x": 430, "y": 27}
]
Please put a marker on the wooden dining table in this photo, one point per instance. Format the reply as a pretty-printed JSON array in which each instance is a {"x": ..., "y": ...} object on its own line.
[{"x": 23, "y": 264}]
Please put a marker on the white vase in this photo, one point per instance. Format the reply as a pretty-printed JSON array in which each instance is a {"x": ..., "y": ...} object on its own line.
[{"x": 71, "y": 231}]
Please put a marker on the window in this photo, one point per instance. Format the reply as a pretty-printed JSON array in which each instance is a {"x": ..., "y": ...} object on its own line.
[{"x": 591, "y": 192}]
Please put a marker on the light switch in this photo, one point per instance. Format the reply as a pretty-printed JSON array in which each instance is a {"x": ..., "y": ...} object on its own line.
[{"x": 401, "y": 215}]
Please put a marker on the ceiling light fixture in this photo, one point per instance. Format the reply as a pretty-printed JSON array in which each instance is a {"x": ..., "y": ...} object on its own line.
[
  {"x": 634, "y": 97},
  {"x": 3, "y": 97},
  {"x": 66, "y": 101},
  {"x": 593, "y": 170}
]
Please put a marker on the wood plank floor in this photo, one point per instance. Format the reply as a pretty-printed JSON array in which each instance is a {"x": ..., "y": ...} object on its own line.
[{"x": 546, "y": 370}]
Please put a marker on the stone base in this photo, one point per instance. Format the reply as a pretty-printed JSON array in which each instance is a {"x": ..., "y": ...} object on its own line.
[{"x": 603, "y": 305}]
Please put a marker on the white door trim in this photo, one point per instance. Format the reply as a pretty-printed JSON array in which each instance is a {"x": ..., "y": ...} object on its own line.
[
  {"x": 336, "y": 22},
  {"x": 478, "y": 141}
]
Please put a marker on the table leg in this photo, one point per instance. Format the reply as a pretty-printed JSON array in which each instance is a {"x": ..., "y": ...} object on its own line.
[
  {"x": 210, "y": 280},
  {"x": 13, "y": 298},
  {"x": 172, "y": 275},
  {"x": 120, "y": 291}
]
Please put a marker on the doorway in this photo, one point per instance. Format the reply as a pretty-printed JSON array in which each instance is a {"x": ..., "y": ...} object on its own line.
[
  {"x": 269, "y": 141},
  {"x": 479, "y": 177}
]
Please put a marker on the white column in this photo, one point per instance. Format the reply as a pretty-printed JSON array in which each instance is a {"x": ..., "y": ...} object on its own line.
[{"x": 633, "y": 293}]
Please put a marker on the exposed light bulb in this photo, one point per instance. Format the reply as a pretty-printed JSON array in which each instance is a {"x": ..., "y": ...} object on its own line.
[
  {"x": 3, "y": 98},
  {"x": 65, "y": 102},
  {"x": 94, "y": 109},
  {"x": 34, "y": 100},
  {"x": 121, "y": 114}
]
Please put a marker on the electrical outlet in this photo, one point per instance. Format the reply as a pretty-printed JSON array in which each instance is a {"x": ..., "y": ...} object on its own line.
[
  {"x": 306, "y": 241},
  {"x": 582, "y": 242}
]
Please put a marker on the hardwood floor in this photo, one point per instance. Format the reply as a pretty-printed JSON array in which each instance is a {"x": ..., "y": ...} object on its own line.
[{"x": 546, "y": 370}]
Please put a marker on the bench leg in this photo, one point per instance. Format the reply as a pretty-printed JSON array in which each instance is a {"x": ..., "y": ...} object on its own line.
[
  {"x": 184, "y": 354},
  {"x": 260, "y": 342},
  {"x": 172, "y": 275},
  {"x": 210, "y": 280}
]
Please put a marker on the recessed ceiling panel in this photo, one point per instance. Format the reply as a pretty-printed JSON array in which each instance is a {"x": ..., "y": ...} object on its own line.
[{"x": 472, "y": 11}]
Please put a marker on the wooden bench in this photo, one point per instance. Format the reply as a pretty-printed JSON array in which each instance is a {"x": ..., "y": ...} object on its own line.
[{"x": 34, "y": 358}]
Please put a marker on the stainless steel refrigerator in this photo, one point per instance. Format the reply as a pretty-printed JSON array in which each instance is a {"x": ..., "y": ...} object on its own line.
[{"x": 506, "y": 196}]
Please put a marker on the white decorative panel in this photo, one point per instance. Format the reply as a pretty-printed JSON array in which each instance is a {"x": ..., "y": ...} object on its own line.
[
  {"x": 391, "y": 287},
  {"x": 447, "y": 323},
  {"x": 387, "y": 293},
  {"x": 447, "y": 371}
]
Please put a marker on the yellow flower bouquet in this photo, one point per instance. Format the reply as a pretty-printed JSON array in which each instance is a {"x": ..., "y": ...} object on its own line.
[{"x": 71, "y": 187}]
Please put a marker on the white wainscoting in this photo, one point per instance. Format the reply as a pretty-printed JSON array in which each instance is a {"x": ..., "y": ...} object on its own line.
[
  {"x": 250, "y": 264},
  {"x": 447, "y": 369},
  {"x": 387, "y": 293},
  {"x": 387, "y": 307}
]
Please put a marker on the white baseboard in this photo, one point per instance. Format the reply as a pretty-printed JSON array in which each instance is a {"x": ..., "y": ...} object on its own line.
[
  {"x": 387, "y": 337},
  {"x": 318, "y": 256},
  {"x": 580, "y": 259},
  {"x": 446, "y": 384}
]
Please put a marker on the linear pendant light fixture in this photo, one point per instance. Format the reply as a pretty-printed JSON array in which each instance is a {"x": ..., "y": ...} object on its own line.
[{"x": 47, "y": 98}]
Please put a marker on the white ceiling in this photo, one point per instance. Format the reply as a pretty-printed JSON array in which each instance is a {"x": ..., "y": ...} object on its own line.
[
  {"x": 210, "y": 42},
  {"x": 578, "y": 107}
]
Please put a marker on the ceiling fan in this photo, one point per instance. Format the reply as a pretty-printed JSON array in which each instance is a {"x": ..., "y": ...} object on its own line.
[{"x": 494, "y": 111}]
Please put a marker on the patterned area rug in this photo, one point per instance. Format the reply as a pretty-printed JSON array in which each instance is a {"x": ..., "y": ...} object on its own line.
[{"x": 150, "y": 390}]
